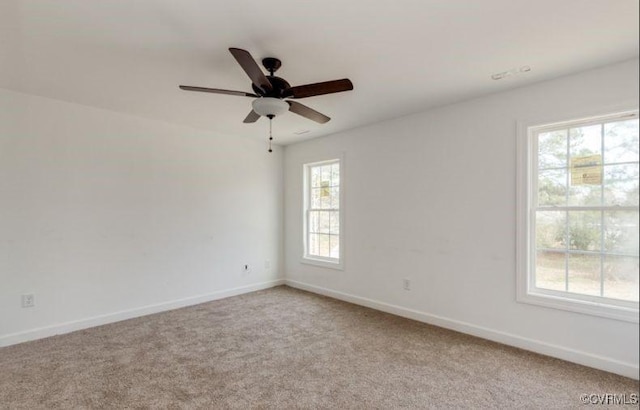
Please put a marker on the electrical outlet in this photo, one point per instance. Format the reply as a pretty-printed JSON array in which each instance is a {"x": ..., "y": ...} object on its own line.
[
  {"x": 28, "y": 300},
  {"x": 406, "y": 283}
]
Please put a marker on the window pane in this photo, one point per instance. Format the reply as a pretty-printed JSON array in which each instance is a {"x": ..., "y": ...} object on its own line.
[
  {"x": 326, "y": 176},
  {"x": 621, "y": 232},
  {"x": 335, "y": 222},
  {"x": 335, "y": 174},
  {"x": 621, "y": 141},
  {"x": 316, "y": 176},
  {"x": 621, "y": 184},
  {"x": 621, "y": 277},
  {"x": 335, "y": 198},
  {"x": 585, "y": 195},
  {"x": 551, "y": 230},
  {"x": 313, "y": 244},
  {"x": 323, "y": 224},
  {"x": 313, "y": 221},
  {"x": 315, "y": 198},
  {"x": 335, "y": 246},
  {"x": 325, "y": 198},
  {"x": 584, "y": 274},
  {"x": 552, "y": 149},
  {"x": 585, "y": 230},
  {"x": 552, "y": 187},
  {"x": 586, "y": 165},
  {"x": 324, "y": 245},
  {"x": 585, "y": 141},
  {"x": 550, "y": 270}
]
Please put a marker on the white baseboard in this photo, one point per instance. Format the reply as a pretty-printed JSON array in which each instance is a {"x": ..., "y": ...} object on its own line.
[
  {"x": 547, "y": 349},
  {"x": 61, "y": 328}
]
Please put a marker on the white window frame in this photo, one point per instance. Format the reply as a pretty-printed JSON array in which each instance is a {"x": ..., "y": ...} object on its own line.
[
  {"x": 326, "y": 262},
  {"x": 525, "y": 240}
]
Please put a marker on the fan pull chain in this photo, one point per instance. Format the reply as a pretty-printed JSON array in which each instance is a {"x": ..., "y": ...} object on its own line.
[{"x": 270, "y": 135}]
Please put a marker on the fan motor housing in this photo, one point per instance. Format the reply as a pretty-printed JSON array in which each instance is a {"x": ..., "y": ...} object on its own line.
[{"x": 279, "y": 86}]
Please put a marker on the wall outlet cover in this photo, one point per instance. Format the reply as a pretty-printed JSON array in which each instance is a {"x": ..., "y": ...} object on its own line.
[
  {"x": 406, "y": 284},
  {"x": 28, "y": 300}
]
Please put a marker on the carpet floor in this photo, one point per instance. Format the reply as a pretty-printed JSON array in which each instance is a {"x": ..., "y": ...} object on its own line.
[{"x": 285, "y": 348}]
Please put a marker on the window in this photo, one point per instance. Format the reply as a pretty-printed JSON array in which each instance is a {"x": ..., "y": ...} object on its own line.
[
  {"x": 579, "y": 249},
  {"x": 322, "y": 218}
]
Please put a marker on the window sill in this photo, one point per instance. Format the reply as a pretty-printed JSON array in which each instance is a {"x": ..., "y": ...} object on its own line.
[
  {"x": 322, "y": 263},
  {"x": 581, "y": 306}
]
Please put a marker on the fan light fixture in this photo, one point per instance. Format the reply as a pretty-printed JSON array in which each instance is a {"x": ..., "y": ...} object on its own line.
[{"x": 269, "y": 106}]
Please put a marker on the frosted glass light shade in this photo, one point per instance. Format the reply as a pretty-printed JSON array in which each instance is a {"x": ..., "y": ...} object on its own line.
[{"x": 266, "y": 106}]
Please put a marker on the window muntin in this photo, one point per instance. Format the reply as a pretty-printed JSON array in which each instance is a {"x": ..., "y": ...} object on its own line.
[
  {"x": 322, "y": 212},
  {"x": 583, "y": 211}
]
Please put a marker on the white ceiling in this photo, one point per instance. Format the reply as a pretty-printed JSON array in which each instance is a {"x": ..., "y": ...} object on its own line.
[{"x": 403, "y": 56}]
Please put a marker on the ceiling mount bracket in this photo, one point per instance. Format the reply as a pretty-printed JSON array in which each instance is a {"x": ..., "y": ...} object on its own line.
[{"x": 271, "y": 64}]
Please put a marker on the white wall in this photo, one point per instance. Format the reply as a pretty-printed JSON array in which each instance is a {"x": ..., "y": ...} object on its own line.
[
  {"x": 432, "y": 197},
  {"x": 105, "y": 216}
]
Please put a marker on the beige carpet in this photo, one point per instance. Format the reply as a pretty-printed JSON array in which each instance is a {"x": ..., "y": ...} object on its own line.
[{"x": 284, "y": 348}]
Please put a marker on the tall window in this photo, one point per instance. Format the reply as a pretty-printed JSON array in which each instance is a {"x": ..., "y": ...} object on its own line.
[
  {"x": 582, "y": 218},
  {"x": 323, "y": 242}
]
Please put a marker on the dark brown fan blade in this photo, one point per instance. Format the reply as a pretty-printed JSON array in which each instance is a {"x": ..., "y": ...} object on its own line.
[
  {"x": 252, "y": 117},
  {"x": 250, "y": 67},
  {"x": 216, "y": 91},
  {"x": 307, "y": 112},
  {"x": 327, "y": 87}
]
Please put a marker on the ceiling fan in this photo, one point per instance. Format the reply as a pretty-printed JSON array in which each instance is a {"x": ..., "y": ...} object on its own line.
[{"x": 272, "y": 93}]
